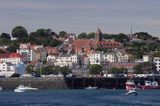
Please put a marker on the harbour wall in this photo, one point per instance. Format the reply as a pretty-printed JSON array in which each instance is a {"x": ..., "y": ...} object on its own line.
[
  {"x": 70, "y": 83},
  {"x": 38, "y": 82}
]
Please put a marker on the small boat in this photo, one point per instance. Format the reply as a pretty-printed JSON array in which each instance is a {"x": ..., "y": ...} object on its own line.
[
  {"x": 90, "y": 87},
  {"x": 130, "y": 85},
  {"x": 151, "y": 85},
  {"x": 22, "y": 88},
  {"x": 132, "y": 92},
  {"x": 1, "y": 88}
]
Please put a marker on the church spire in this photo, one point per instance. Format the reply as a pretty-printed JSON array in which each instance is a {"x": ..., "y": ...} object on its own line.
[{"x": 99, "y": 35}]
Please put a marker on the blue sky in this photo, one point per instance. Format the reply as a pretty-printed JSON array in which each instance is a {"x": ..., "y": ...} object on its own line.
[{"x": 112, "y": 16}]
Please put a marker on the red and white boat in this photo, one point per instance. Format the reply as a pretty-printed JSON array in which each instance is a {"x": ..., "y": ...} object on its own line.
[
  {"x": 130, "y": 85},
  {"x": 151, "y": 85}
]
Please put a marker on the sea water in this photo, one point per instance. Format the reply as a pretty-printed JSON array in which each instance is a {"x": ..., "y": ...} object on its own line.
[{"x": 94, "y": 97}]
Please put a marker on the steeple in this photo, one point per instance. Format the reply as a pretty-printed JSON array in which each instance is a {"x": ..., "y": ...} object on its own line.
[
  {"x": 131, "y": 30},
  {"x": 99, "y": 35}
]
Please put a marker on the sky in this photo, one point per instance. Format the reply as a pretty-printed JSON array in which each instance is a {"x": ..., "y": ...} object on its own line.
[{"x": 76, "y": 16}]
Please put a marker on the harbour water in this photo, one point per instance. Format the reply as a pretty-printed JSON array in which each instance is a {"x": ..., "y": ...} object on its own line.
[{"x": 68, "y": 97}]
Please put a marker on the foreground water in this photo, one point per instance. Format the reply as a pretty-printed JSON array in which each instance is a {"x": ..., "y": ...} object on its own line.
[{"x": 100, "y": 97}]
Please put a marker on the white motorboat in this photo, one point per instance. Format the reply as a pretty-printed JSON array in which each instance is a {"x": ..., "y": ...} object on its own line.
[
  {"x": 132, "y": 92},
  {"x": 90, "y": 87},
  {"x": 1, "y": 88},
  {"x": 22, "y": 88}
]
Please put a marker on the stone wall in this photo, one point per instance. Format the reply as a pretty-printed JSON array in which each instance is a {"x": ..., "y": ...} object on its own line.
[{"x": 41, "y": 83}]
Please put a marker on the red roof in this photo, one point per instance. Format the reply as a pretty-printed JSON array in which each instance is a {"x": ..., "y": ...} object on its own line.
[{"x": 10, "y": 55}]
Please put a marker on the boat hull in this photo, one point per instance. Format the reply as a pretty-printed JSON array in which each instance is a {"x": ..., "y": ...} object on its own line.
[
  {"x": 130, "y": 86},
  {"x": 150, "y": 87}
]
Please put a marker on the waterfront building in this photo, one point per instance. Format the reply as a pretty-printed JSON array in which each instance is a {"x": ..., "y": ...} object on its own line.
[
  {"x": 7, "y": 69},
  {"x": 51, "y": 57},
  {"x": 156, "y": 60},
  {"x": 110, "y": 57},
  {"x": 64, "y": 60},
  {"x": 27, "y": 53},
  {"x": 122, "y": 56},
  {"x": 20, "y": 68},
  {"x": 40, "y": 54},
  {"x": 31, "y": 53},
  {"x": 14, "y": 58},
  {"x": 146, "y": 58},
  {"x": 96, "y": 57}
]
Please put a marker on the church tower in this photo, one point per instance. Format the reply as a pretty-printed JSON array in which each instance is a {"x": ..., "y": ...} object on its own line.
[{"x": 98, "y": 35}]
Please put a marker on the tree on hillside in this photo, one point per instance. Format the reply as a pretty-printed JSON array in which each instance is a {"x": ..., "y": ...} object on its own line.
[
  {"x": 143, "y": 35},
  {"x": 91, "y": 35},
  {"x": 107, "y": 36},
  {"x": 115, "y": 70},
  {"x": 64, "y": 70},
  {"x": 121, "y": 37},
  {"x": 41, "y": 33},
  {"x": 62, "y": 33},
  {"x": 19, "y": 32},
  {"x": 44, "y": 37},
  {"x": 82, "y": 35},
  {"x": 13, "y": 46},
  {"x": 30, "y": 69},
  {"x": 95, "y": 69},
  {"x": 145, "y": 68},
  {"x": 5, "y": 36}
]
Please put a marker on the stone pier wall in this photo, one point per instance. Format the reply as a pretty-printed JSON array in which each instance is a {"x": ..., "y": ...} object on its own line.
[
  {"x": 70, "y": 83},
  {"x": 41, "y": 83}
]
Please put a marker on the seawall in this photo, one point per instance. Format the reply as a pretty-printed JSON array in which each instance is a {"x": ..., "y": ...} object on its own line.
[
  {"x": 39, "y": 82},
  {"x": 70, "y": 83}
]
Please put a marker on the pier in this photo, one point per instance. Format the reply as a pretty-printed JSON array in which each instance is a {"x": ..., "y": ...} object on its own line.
[{"x": 71, "y": 82}]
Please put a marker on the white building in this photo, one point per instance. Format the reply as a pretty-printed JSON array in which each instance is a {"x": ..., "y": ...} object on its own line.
[
  {"x": 20, "y": 68},
  {"x": 28, "y": 52},
  {"x": 110, "y": 57},
  {"x": 7, "y": 69},
  {"x": 96, "y": 58},
  {"x": 51, "y": 57},
  {"x": 14, "y": 58},
  {"x": 122, "y": 57},
  {"x": 64, "y": 60},
  {"x": 146, "y": 58},
  {"x": 156, "y": 60}
]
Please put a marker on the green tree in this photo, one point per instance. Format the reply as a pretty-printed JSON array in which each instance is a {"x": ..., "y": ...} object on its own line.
[
  {"x": 42, "y": 33},
  {"x": 115, "y": 70},
  {"x": 121, "y": 37},
  {"x": 13, "y": 47},
  {"x": 145, "y": 68},
  {"x": 62, "y": 33},
  {"x": 19, "y": 32},
  {"x": 107, "y": 36},
  {"x": 143, "y": 35},
  {"x": 30, "y": 69},
  {"x": 5, "y": 36},
  {"x": 64, "y": 70},
  {"x": 95, "y": 69},
  {"x": 5, "y": 41},
  {"x": 91, "y": 35},
  {"x": 82, "y": 35},
  {"x": 156, "y": 54}
]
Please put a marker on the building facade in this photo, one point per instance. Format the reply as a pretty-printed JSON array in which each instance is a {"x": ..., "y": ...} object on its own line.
[{"x": 14, "y": 58}]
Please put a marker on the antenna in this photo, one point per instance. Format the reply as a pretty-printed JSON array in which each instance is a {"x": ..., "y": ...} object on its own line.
[{"x": 131, "y": 30}]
